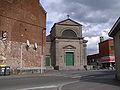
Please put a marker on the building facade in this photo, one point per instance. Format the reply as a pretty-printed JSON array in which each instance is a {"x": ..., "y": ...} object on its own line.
[
  {"x": 107, "y": 53},
  {"x": 22, "y": 33},
  {"x": 106, "y": 56},
  {"x": 93, "y": 59},
  {"x": 115, "y": 33},
  {"x": 66, "y": 46}
]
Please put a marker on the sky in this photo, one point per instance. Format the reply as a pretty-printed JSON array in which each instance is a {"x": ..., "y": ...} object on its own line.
[{"x": 96, "y": 16}]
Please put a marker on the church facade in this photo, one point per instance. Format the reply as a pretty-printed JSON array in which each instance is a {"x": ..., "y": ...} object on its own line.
[{"x": 65, "y": 46}]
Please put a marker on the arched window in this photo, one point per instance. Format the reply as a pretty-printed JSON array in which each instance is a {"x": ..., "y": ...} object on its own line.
[{"x": 69, "y": 33}]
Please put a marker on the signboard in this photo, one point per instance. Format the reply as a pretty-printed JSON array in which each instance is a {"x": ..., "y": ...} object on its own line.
[{"x": 107, "y": 59}]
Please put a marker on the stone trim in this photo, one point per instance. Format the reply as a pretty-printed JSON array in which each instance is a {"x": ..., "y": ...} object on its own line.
[{"x": 69, "y": 37}]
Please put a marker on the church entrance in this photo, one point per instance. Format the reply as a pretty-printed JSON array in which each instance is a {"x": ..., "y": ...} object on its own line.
[
  {"x": 69, "y": 59},
  {"x": 47, "y": 61}
]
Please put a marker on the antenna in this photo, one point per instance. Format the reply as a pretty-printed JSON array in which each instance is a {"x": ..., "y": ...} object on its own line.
[{"x": 68, "y": 16}]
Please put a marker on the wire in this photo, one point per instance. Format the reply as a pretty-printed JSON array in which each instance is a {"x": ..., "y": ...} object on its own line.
[{"x": 23, "y": 21}]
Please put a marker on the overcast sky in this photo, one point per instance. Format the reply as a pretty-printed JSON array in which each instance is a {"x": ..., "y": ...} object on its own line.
[{"x": 96, "y": 16}]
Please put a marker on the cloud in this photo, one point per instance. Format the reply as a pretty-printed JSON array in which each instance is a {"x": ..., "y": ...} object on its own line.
[
  {"x": 92, "y": 44},
  {"x": 96, "y": 16}
]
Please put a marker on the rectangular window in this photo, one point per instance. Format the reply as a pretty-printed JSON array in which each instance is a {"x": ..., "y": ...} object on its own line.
[{"x": 111, "y": 47}]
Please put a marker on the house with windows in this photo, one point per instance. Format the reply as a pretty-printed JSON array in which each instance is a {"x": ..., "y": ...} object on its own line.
[
  {"x": 106, "y": 56},
  {"x": 65, "y": 46},
  {"x": 107, "y": 53}
]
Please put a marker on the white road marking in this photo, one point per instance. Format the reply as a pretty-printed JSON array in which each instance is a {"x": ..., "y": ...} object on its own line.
[
  {"x": 60, "y": 87},
  {"x": 77, "y": 77},
  {"x": 42, "y": 87},
  {"x": 91, "y": 76}
]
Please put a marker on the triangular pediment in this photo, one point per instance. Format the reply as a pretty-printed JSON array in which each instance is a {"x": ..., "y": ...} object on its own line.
[
  {"x": 69, "y": 47},
  {"x": 69, "y": 22}
]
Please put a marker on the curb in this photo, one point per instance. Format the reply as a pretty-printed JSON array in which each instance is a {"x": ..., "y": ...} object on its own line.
[
  {"x": 27, "y": 75},
  {"x": 61, "y": 86}
]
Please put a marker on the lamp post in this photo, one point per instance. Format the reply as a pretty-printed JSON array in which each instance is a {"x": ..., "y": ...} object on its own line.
[
  {"x": 42, "y": 56},
  {"x": 41, "y": 64},
  {"x": 21, "y": 57},
  {"x": 21, "y": 66}
]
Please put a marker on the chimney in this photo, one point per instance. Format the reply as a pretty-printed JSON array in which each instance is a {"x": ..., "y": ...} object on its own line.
[{"x": 101, "y": 38}]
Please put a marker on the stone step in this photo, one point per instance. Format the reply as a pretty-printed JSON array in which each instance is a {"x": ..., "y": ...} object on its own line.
[{"x": 49, "y": 68}]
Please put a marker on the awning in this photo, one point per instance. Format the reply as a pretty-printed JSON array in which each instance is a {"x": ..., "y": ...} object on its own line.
[{"x": 107, "y": 59}]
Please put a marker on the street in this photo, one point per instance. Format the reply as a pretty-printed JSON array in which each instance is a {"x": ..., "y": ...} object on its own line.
[
  {"x": 62, "y": 80},
  {"x": 103, "y": 80}
]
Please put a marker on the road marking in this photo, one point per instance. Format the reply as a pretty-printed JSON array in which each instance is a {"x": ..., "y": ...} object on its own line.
[
  {"x": 91, "y": 76},
  {"x": 42, "y": 87},
  {"x": 77, "y": 77},
  {"x": 61, "y": 86},
  {"x": 73, "y": 76}
]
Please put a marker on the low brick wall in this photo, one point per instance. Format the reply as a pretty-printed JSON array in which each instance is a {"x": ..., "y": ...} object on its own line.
[{"x": 27, "y": 59}]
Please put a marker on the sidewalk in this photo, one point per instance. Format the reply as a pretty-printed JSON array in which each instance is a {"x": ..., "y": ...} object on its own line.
[{"x": 46, "y": 73}]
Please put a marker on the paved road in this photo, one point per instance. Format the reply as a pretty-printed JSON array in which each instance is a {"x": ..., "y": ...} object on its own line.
[
  {"x": 34, "y": 83},
  {"x": 50, "y": 81},
  {"x": 95, "y": 80},
  {"x": 62, "y": 80}
]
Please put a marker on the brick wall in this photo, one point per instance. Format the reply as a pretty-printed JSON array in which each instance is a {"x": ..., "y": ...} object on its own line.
[
  {"x": 105, "y": 48},
  {"x": 23, "y": 20}
]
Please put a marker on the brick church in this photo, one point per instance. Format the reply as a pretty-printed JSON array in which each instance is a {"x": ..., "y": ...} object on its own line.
[
  {"x": 22, "y": 34},
  {"x": 66, "y": 47}
]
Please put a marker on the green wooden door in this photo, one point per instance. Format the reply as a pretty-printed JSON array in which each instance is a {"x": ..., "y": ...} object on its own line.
[
  {"x": 69, "y": 59},
  {"x": 47, "y": 61}
]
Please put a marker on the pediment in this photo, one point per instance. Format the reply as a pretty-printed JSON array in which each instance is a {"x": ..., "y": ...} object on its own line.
[
  {"x": 69, "y": 22},
  {"x": 69, "y": 47}
]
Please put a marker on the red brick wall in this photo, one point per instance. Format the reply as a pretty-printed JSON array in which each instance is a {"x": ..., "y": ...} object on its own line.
[
  {"x": 90, "y": 58},
  {"x": 23, "y": 17},
  {"x": 104, "y": 48},
  {"x": 23, "y": 20},
  {"x": 111, "y": 43}
]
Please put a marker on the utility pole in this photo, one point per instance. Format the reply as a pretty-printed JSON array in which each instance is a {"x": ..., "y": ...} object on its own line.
[
  {"x": 21, "y": 57},
  {"x": 42, "y": 56}
]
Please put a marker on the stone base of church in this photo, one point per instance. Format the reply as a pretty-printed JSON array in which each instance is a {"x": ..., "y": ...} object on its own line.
[{"x": 69, "y": 68}]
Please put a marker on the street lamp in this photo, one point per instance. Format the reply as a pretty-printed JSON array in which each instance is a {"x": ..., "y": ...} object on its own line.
[
  {"x": 21, "y": 65},
  {"x": 42, "y": 56},
  {"x": 21, "y": 59},
  {"x": 41, "y": 64},
  {"x": 28, "y": 45}
]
